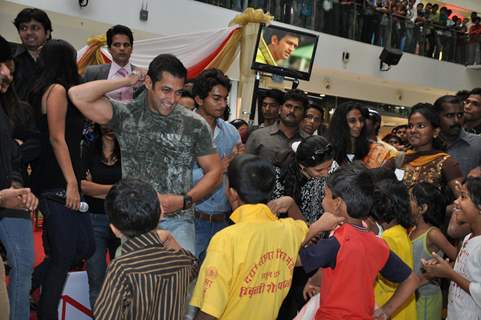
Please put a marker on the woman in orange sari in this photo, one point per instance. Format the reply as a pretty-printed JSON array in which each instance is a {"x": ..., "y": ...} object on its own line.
[{"x": 425, "y": 162}]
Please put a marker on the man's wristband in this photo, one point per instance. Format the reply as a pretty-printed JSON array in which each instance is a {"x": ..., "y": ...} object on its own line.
[{"x": 187, "y": 201}]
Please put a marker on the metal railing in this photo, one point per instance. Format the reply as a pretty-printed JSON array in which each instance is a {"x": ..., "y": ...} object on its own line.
[{"x": 356, "y": 20}]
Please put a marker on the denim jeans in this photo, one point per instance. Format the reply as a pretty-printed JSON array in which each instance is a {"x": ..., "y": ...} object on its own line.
[
  {"x": 16, "y": 234},
  {"x": 4, "y": 304},
  {"x": 68, "y": 238},
  {"x": 182, "y": 228},
  {"x": 105, "y": 242},
  {"x": 204, "y": 231}
]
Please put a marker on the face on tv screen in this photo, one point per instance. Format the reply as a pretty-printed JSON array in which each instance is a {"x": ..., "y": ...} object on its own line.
[{"x": 286, "y": 52}]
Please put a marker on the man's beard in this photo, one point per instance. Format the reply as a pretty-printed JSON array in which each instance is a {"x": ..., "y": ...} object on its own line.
[
  {"x": 289, "y": 123},
  {"x": 4, "y": 84}
]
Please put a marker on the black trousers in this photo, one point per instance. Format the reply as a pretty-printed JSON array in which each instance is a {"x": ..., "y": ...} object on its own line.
[
  {"x": 68, "y": 239},
  {"x": 294, "y": 300}
]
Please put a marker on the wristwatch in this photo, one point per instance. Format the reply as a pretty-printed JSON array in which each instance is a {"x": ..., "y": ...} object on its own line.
[{"x": 187, "y": 202}]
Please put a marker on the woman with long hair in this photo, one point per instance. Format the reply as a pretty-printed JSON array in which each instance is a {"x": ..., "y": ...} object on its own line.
[
  {"x": 304, "y": 177},
  {"x": 304, "y": 180},
  {"x": 102, "y": 169},
  {"x": 426, "y": 161},
  {"x": 56, "y": 174},
  {"x": 348, "y": 135}
]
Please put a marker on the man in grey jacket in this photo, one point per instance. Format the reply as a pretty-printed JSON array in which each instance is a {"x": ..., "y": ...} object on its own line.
[{"x": 120, "y": 42}]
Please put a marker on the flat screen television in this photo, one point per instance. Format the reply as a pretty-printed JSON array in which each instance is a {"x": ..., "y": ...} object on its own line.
[{"x": 285, "y": 52}]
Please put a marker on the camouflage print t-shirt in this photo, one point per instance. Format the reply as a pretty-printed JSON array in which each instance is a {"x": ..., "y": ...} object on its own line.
[{"x": 160, "y": 149}]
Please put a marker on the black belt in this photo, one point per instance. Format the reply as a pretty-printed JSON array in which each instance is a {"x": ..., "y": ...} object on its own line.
[{"x": 219, "y": 217}]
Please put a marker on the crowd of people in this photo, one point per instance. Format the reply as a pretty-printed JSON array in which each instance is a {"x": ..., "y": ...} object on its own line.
[
  {"x": 414, "y": 26},
  {"x": 192, "y": 217}
]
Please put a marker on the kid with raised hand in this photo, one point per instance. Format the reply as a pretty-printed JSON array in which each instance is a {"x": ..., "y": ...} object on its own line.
[
  {"x": 427, "y": 209},
  {"x": 353, "y": 256},
  {"x": 464, "y": 300}
]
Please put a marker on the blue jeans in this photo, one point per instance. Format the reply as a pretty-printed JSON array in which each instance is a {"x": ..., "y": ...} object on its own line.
[
  {"x": 16, "y": 234},
  {"x": 204, "y": 231},
  {"x": 105, "y": 242},
  {"x": 182, "y": 228},
  {"x": 68, "y": 238}
]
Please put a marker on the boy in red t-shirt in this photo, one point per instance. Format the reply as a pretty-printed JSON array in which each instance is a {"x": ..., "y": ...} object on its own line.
[{"x": 352, "y": 257}]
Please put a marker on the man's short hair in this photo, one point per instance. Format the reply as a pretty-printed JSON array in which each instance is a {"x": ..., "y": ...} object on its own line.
[
  {"x": 119, "y": 29},
  {"x": 208, "y": 79},
  {"x": 166, "y": 63},
  {"x": 438, "y": 105},
  {"x": 317, "y": 107},
  {"x": 252, "y": 177},
  {"x": 275, "y": 94},
  {"x": 187, "y": 94},
  {"x": 133, "y": 207},
  {"x": 475, "y": 92},
  {"x": 354, "y": 185},
  {"x": 29, "y": 14},
  {"x": 297, "y": 95},
  {"x": 463, "y": 94},
  {"x": 270, "y": 32}
]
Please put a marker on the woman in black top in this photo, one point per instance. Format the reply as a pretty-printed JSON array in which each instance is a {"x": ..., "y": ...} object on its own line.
[
  {"x": 102, "y": 169},
  {"x": 304, "y": 178},
  {"x": 68, "y": 236}
]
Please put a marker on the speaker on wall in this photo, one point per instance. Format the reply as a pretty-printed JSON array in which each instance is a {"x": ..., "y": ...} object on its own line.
[{"x": 389, "y": 57}]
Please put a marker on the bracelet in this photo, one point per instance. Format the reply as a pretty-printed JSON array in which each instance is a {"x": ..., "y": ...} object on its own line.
[{"x": 1, "y": 199}]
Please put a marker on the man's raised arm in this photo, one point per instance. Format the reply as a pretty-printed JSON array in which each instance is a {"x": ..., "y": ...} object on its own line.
[{"x": 90, "y": 99}]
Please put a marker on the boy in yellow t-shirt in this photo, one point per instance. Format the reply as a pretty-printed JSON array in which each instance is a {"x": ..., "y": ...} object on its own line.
[{"x": 247, "y": 271}]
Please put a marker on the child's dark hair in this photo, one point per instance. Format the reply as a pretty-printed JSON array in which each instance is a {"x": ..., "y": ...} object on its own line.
[
  {"x": 252, "y": 177},
  {"x": 425, "y": 193},
  {"x": 353, "y": 184},
  {"x": 133, "y": 207},
  {"x": 391, "y": 202},
  {"x": 473, "y": 184}
]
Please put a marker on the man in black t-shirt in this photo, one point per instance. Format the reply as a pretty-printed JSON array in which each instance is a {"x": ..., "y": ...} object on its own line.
[
  {"x": 15, "y": 203},
  {"x": 34, "y": 29}
]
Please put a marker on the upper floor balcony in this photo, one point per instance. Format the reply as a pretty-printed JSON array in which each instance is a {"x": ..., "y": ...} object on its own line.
[{"x": 442, "y": 32}]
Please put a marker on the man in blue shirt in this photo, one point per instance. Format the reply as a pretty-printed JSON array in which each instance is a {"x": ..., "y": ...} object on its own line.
[{"x": 210, "y": 91}]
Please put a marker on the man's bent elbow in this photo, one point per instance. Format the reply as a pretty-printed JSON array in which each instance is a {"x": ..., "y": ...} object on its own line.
[{"x": 73, "y": 94}]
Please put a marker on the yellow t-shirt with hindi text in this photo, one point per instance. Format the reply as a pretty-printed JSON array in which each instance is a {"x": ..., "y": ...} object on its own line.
[{"x": 247, "y": 271}]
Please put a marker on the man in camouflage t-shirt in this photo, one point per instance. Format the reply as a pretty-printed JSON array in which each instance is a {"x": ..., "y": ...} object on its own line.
[{"x": 159, "y": 140}]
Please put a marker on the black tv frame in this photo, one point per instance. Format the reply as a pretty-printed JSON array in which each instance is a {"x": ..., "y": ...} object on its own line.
[{"x": 283, "y": 71}]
